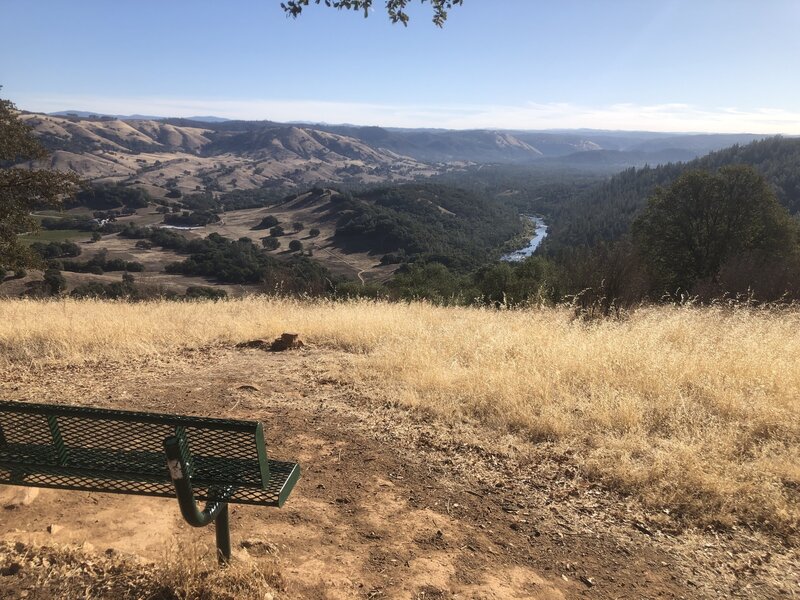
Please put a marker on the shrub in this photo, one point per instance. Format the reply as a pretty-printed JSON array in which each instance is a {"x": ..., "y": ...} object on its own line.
[
  {"x": 313, "y": 232},
  {"x": 296, "y": 246},
  {"x": 276, "y": 231},
  {"x": 298, "y": 226},
  {"x": 96, "y": 236},
  {"x": 56, "y": 250},
  {"x": 54, "y": 281},
  {"x": 134, "y": 267},
  {"x": 89, "y": 290},
  {"x": 270, "y": 243},
  {"x": 70, "y": 249},
  {"x": 144, "y": 245},
  {"x": 105, "y": 197},
  {"x": 79, "y": 223},
  {"x": 267, "y": 222},
  {"x": 174, "y": 193},
  {"x": 202, "y": 292},
  {"x": 113, "y": 264},
  {"x": 393, "y": 258},
  {"x": 193, "y": 219}
]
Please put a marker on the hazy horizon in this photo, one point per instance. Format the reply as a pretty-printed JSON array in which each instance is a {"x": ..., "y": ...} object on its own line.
[{"x": 648, "y": 123}]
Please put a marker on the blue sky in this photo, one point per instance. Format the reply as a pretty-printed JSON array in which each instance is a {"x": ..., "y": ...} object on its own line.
[{"x": 664, "y": 65}]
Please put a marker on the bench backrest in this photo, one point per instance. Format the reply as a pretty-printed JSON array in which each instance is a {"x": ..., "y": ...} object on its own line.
[{"x": 41, "y": 440}]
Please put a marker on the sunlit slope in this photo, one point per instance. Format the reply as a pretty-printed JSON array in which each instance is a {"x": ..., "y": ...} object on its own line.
[
  {"x": 189, "y": 156},
  {"x": 694, "y": 411}
]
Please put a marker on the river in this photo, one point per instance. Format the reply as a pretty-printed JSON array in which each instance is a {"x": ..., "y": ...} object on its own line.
[{"x": 539, "y": 233}]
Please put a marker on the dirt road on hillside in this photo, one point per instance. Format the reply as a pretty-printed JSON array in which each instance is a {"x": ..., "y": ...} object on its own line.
[{"x": 392, "y": 503}]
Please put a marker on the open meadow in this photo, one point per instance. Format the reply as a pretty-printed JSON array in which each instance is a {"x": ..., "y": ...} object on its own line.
[{"x": 690, "y": 415}]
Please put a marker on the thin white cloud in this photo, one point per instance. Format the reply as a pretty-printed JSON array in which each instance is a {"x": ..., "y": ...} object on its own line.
[{"x": 671, "y": 117}]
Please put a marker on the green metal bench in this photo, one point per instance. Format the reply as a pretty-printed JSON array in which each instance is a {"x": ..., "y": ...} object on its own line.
[{"x": 220, "y": 461}]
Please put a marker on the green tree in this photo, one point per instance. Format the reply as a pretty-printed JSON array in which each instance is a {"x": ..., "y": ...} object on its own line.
[
  {"x": 690, "y": 229},
  {"x": 296, "y": 246},
  {"x": 22, "y": 190},
  {"x": 203, "y": 292},
  {"x": 394, "y": 8},
  {"x": 267, "y": 222},
  {"x": 433, "y": 281},
  {"x": 54, "y": 281},
  {"x": 270, "y": 243}
]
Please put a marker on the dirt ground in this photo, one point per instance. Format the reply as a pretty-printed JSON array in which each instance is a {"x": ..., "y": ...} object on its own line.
[{"x": 392, "y": 502}]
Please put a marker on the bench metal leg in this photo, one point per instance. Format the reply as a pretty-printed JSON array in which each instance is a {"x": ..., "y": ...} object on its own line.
[
  {"x": 58, "y": 441},
  {"x": 222, "y": 527},
  {"x": 214, "y": 511}
]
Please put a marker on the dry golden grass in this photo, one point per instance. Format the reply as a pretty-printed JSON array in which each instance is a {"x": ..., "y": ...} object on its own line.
[
  {"x": 695, "y": 411},
  {"x": 46, "y": 572}
]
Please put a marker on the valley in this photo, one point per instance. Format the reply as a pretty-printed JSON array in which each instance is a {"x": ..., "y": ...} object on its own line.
[{"x": 226, "y": 177}]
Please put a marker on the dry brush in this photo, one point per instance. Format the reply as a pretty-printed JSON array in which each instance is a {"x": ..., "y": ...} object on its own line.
[{"x": 695, "y": 411}]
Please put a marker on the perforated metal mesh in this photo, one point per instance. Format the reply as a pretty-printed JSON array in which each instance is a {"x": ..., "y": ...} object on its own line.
[{"x": 121, "y": 451}]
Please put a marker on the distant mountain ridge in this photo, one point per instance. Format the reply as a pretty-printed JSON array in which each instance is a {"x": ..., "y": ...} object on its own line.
[
  {"x": 219, "y": 154},
  {"x": 476, "y": 145},
  {"x": 83, "y": 114}
]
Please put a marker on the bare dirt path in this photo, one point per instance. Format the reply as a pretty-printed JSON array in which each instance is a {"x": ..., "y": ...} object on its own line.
[{"x": 392, "y": 504}]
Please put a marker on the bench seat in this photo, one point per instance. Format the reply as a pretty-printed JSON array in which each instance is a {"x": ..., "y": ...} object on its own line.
[
  {"x": 104, "y": 450},
  {"x": 145, "y": 475}
]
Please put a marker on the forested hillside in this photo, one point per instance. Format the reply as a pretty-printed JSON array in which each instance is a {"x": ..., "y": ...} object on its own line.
[
  {"x": 452, "y": 226},
  {"x": 606, "y": 211}
]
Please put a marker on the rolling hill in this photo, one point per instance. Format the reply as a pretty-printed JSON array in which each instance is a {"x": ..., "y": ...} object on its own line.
[
  {"x": 190, "y": 156},
  {"x": 221, "y": 155}
]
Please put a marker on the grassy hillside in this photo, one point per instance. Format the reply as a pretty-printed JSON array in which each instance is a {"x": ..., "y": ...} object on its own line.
[
  {"x": 694, "y": 412},
  {"x": 228, "y": 156}
]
